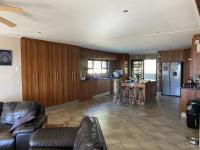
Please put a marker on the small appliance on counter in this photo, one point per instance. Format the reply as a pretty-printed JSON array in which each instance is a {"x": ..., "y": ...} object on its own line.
[
  {"x": 192, "y": 84},
  {"x": 83, "y": 77},
  {"x": 197, "y": 81}
]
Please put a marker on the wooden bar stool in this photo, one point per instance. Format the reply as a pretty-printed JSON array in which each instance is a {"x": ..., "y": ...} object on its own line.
[
  {"x": 120, "y": 94},
  {"x": 125, "y": 93},
  {"x": 132, "y": 96},
  {"x": 140, "y": 99}
]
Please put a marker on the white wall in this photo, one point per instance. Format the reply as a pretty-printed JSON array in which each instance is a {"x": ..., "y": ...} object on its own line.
[{"x": 10, "y": 76}]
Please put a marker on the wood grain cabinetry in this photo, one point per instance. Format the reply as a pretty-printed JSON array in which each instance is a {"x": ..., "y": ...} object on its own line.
[
  {"x": 187, "y": 95},
  {"x": 49, "y": 75},
  {"x": 94, "y": 87},
  {"x": 195, "y": 56},
  {"x": 98, "y": 55},
  {"x": 172, "y": 55},
  {"x": 123, "y": 63}
]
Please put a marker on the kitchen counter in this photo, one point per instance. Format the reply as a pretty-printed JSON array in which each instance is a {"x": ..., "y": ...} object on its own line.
[
  {"x": 188, "y": 94},
  {"x": 149, "y": 89},
  {"x": 190, "y": 88},
  {"x": 90, "y": 88},
  {"x": 96, "y": 79}
]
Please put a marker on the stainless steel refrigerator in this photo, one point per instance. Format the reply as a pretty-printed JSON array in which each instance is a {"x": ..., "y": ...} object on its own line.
[{"x": 171, "y": 78}]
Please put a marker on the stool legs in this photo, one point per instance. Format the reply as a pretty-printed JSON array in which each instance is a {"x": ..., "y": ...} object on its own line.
[
  {"x": 140, "y": 96},
  {"x": 119, "y": 95},
  {"x": 130, "y": 94}
]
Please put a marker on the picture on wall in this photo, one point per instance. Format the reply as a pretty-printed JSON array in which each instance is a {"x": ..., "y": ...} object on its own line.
[{"x": 5, "y": 57}]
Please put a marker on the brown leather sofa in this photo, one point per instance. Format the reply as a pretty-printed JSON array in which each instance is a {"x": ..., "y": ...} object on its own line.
[
  {"x": 88, "y": 136},
  {"x": 18, "y": 139}
]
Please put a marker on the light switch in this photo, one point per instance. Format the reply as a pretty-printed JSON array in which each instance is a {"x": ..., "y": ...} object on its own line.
[{"x": 17, "y": 69}]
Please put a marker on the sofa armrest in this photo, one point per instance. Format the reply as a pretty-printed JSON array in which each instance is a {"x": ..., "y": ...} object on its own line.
[
  {"x": 31, "y": 126},
  {"x": 101, "y": 137}
]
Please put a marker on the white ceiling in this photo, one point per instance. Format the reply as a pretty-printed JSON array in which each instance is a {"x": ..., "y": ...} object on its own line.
[{"x": 148, "y": 26}]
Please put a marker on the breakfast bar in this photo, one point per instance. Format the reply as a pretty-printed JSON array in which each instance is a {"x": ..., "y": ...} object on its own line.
[{"x": 142, "y": 92}]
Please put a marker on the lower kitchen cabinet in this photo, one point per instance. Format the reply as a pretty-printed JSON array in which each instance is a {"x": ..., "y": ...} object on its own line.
[{"x": 90, "y": 88}]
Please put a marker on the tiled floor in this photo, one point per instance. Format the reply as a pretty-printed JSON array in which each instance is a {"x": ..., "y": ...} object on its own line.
[{"x": 156, "y": 126}]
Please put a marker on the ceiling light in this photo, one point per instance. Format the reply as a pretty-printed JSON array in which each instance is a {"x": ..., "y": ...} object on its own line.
[
  {"x": 39, "y": 32},
  {"x": 125, "y": 11}
]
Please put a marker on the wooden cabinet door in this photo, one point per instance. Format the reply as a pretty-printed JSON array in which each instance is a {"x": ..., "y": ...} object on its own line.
[
  {"x": 33, "y": 67},
  {"x": 29, "y": 82},
  {"x": 76, "y": 72},
  {"x": 66, "y": 74},
  {"x": 70, "y": 69},
  {"x": 43, "y": 79},
  {"x": 55, "y": 71}
]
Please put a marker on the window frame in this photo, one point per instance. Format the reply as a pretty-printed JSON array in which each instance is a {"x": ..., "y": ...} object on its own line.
[{"x": 102, "y": 68}]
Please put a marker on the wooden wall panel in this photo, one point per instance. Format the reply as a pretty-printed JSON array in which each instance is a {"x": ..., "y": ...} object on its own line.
[
  {"x": 50, "y": 71},
  {"x": 187, "y": 95},
  {"x": 172, "y": 55}
]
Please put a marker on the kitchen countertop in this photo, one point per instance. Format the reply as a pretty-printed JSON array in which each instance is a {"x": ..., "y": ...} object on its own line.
[
  {"x": 190, "y": 88},
  {"x": 97, "y": 79}
]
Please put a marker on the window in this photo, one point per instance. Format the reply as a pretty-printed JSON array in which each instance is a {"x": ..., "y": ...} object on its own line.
[
  {"x": 97, "y": 67},
  {"x": 150, "y": 69}
]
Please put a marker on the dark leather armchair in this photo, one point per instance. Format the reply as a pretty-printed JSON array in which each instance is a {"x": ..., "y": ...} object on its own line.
[
  {"x": 86, "y": 136},
  {"x": 18, "y": 139}
]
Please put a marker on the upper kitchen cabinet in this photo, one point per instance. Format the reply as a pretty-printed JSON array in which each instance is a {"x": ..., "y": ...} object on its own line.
[
  {"x": 172, "y": 55},
  {"x": 196, "y": 55},
  {"x": 123, "y": 63}
]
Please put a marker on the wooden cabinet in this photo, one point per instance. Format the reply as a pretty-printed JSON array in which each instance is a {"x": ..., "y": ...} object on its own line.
[
  {"x": 188, "y": 94},
  {"x": 195, "y": 56},
  {"x": 172, "y": 55},
  {"x": 50, "y": 72},
  {"x": 123, "y": 63},
  {"x": 92, "y": 88}
]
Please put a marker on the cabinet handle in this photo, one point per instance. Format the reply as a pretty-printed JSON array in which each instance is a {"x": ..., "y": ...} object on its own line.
[
  {"x": 34, "y": 80},
  {"x": 74, "y": 76},
  {"x": 57, "y": 78}
]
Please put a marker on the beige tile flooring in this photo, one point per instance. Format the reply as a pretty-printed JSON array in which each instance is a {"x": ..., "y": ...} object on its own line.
[{"x": 155, "y": 126}]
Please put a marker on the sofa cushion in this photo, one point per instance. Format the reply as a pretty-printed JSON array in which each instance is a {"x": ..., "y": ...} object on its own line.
[
  {"x": 22, "y": 120},
  {"x": 54, "y": 138},
  {"x": 87, "y": 137},
  {"x": 11, "y": 111},
  {"x": 7, "y": 141}
]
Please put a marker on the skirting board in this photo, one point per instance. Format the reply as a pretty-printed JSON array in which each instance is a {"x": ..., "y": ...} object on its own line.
[{"x": 67, "y": 104}]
